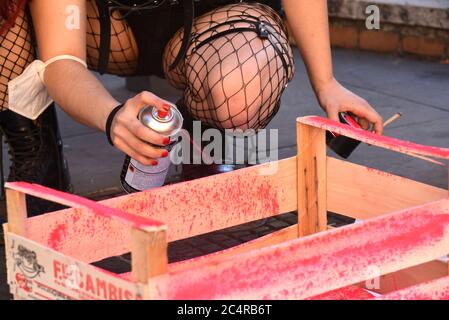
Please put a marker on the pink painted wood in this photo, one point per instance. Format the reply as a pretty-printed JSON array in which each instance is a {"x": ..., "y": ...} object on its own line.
[
  {"x": 79, "y": 202},
  {"x": 346, "y": 293},
  {"x": 375, "y": 139},
  {"x": 188, "y": 209},
  {"x": 319, "y": 263},
  {"x": 432, "y": 290}
]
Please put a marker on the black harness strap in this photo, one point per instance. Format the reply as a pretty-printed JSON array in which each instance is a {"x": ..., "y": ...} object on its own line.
[
  {"x": 262, "y": 31},
  {"x": 189, "y": 16},
  {"x": 105, "y": 35}
]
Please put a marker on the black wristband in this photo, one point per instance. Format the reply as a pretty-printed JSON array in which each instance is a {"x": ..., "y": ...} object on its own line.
[{"x": 109, "y": 122}]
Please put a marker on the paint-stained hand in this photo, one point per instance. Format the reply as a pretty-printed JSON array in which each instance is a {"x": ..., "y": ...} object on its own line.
[
  {"x": 132, "y": 137},
  {"x": 335, "y": 98}
]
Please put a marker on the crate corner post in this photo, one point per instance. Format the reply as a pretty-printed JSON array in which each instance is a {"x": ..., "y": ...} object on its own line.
[
  {"x": 16, "y": 211},
  {"x": 311, "y": 179},
  {"x": 148, "y": 254}
]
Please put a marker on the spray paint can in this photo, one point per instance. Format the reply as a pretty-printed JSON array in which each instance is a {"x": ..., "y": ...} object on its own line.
[
  {"x": 341, "y": 145},
  {"x": 137, "y": 177}
]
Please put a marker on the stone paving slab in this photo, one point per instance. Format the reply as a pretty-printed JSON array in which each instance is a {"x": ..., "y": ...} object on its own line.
[{"x": 421, "y": 82}]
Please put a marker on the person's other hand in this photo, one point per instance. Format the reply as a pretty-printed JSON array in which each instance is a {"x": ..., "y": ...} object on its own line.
[
  {"x": 132, "y": 137},
  {"x": 334, "y": 98}
]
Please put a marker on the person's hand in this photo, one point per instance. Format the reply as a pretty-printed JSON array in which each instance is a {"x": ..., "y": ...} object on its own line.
[
  {"x": 132, "y": 137},
  {"x": 334, "y": 98}
]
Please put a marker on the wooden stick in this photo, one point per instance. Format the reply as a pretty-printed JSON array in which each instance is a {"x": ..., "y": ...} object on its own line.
[
  {"x": 311, "y": 175},
  {"x": 426, "y": 159},
  {"x": 392, "y": 119},
  {"x": 395, "y": 118}
]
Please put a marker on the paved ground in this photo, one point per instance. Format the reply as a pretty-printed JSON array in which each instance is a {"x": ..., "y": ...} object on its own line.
[{"x": 418, "y": 89}]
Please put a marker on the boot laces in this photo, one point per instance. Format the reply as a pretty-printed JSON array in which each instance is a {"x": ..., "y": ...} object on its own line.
[{"x": 24, "y": 151}]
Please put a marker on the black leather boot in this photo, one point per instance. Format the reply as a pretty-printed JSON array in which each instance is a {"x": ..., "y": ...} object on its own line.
[{"x": 36, "y": 155}]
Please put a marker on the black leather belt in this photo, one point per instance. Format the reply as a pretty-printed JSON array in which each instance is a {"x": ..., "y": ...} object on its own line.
[{"x": 105, "y": 35}]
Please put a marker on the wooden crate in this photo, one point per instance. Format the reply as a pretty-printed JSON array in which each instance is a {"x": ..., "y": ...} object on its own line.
[{"x": 405, "y": 231}]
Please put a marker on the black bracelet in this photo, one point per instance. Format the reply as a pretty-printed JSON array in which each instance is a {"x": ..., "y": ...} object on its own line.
[{"x": 109, "y": 122}]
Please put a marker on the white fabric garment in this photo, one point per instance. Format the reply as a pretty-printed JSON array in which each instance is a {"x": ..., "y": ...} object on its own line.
[{"x": 27, "y": 94}]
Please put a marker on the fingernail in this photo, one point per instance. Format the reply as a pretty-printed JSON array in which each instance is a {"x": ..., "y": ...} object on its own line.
[
  {"x": 166, "y": 141},
  {"x": 164, "y": 154},
  {"x": 154, "y": 163},
  {"x": 166, "y": 107}
]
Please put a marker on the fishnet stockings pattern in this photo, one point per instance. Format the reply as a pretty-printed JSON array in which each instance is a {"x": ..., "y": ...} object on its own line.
[
  {"x": 17, "y": 48},
  {"x": 123, "y": 56},
  {"x": 16, "y": 53},
  {"x": 235, "y": 80}
]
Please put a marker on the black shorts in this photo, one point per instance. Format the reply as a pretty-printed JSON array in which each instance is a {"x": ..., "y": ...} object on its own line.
[{"x": 154, "y": 28}]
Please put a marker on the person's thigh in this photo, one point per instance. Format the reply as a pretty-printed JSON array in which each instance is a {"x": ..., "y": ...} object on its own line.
[
  {"x": 233, "y": 79},
  {"x": 16, "y": 53},
  {"x": 123, "y": 56}
]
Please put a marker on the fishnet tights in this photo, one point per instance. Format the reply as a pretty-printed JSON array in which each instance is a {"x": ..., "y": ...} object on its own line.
[
  {"x": 16, "y": 53},
  {"x": 235, "y": 80},
  {"x": 17, "y": 49},
  {"x": 123, "y": 56}
]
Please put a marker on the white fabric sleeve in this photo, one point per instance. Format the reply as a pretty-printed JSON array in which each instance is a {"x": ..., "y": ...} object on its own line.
[{"x": 27, "y": 93}]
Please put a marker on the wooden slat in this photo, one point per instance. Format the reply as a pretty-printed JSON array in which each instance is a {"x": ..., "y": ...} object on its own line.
[
  {"x": 311, "y": 175},
  {"x": 412, "y": 276},
  {"x": 375, "y": 139},
  {"x": 217, "y": 202},
  {"x": 17, "y": 212},
  {"x": 189, "y": 209},
  {"x": 360, "y": 192},
  {"x": 433, "y": 290},
  {"x": 75, "y": 201},
  {"x": 391, "y": 282},
  {"x": 312, "y": 265},
  {"x": 148, "y": 254},
  {"x": 274, "y": 238}
]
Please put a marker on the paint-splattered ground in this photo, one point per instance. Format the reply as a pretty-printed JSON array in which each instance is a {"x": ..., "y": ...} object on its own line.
[{"x": 418, "y": 89}]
